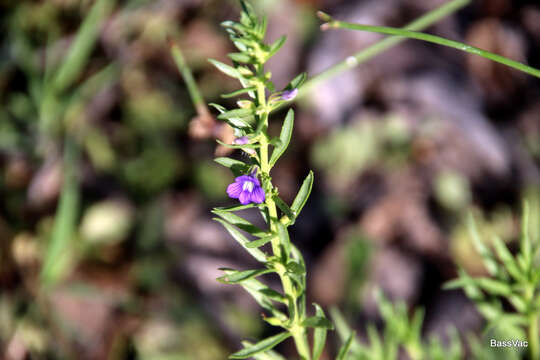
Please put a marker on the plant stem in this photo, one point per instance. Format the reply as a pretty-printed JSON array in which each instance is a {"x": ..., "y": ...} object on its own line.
[
  {"x": 436, "y": 40},
  {"x": 298, "y": 332},
  {"x": 371, "y": 51}
]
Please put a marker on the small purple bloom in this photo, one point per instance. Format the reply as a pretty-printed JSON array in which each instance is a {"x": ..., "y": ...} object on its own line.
[
  {"x": 241, "y": 140},
  {"x": 247, "y": 189},
  {"x": 289, "y": 94}
]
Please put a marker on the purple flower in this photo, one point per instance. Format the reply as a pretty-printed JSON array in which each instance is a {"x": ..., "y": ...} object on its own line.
[
  {"x": 247, "y": 189},
  {"x": 241, "y": 140},
  {"x": 289, "y": 94}
]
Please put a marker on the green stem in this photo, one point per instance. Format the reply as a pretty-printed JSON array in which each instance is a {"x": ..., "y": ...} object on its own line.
[
  {"x": 298, "y": 332},
  {"x": 371, "y": 51},
  {"x": 435, "y": 40}
]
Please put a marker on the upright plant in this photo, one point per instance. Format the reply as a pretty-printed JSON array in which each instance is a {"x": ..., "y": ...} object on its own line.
[
  {"x": 254, "y": 189},
  {"x": 272, "y": 247}
]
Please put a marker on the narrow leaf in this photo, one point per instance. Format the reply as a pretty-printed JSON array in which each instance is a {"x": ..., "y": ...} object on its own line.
[
  {"x": 344, "y": 351},
  {"x": 493, "y": 286},
  {"x": 261, "y": 346},
  {"x": 260, "y": 242},
  {"x": 82, "y": 45},
  {"x": 303, "y": 194},
  {"x": 267, "y": 355},
  {"x": 256, "y": 253},
  {"x": 59, "y": 255},
  {"x": 240, "y": 223},
  {"x": 263, "y": 295},
  {"x": 297, "y": 81},
  {"x": 318, "y": 322},
  {"x": 226, "y": 69},
  {"x": 236, "y": 207},
  {"x": 234, "y": 276},
  {"x": 236, "y": 113},
  {"x": 238, "y": 92},
  {"x": 295, "y": 268},
  {"x": 507, "y": 259},
  {"x": 240, "y": 57},
  {"x": 284, "y": 137},
  {"x": 284, "y": 240},
  {"x": 319, "y": 334},
  {"x": 276, "y": 46},
  {"x": 284, "y": 208},
  {"x": 481, "y": 248},
  {"x": 237, "y": 167}
]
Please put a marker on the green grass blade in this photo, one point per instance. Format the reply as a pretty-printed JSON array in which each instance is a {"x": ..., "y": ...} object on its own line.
[
  {"x": 82, "y": 46},
  {"x": 371, "y": 51},
  {"x": 59, "y": 250},
  {"x": 435, "y": 40}
]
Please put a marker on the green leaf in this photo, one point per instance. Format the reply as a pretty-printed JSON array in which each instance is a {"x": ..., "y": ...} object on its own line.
[
  {"x": 263, "y": 295},
  {"x": 235, "y": 277},
  {"x": 318, "y": 322},
  {"x": 267, "y": 355},
  {"x": 490, "y": 263},
  {"x": 507, "y": 259},
  {"x": 319, "y": 334},
  {"x": 59, "y": 255},
  {"x": 236, "y": 113},
  {"x": 297, "y": 81},
  {"x": 285, "y": 241},
  {"x": 237, "y": 167},
  {"x": 226, "y": 69},
  {"x": 240, "y": 223},
  {"x": 256, "y": 253},
  {"x": 261, "y": 346},
  {"x": 295, "y": 268},
  {"x": 236, "y": 207},
  {"x": 273, "y": 294},
  {"x": 285, "y": 209},
  {"x": 519, "y": 303},
  {"x": 260, "y": 242},
  {"x": 284, "y": 137},
  {"x": 218, "y": 107},
  {"x": 303, "y": 194},
  {"x": 241, "y": 58},
  {"x": 276, "y": 46},
  {"x": 82, "y": 45},
  {"x": 238, "y": 118},
  {"x": 344, "y": 351},
  {"x": 238, "y": 92},
  {"x": 493, "y": 286}
]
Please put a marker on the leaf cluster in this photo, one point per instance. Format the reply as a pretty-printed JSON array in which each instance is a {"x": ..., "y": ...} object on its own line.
[
  {"x": 513, "y": 280},
  {"x": 401, "y": 333}
]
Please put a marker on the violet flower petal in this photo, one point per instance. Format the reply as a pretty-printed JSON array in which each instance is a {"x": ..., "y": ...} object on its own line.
[
  {"x": 234, "y": 190},
  {"x": 257, "y": 196}
]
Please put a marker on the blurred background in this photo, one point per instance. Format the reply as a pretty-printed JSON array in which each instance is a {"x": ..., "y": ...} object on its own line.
[{"x": 402, "y": 147}]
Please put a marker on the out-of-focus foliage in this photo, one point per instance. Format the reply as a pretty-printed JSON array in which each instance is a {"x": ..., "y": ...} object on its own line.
[{"x": 401, "y": 333}]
